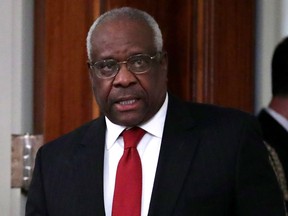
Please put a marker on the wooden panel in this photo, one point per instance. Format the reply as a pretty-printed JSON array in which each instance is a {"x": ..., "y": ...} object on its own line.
[
  {"x": 63, "y": 96},
  {"x": 225, "y": 33}
]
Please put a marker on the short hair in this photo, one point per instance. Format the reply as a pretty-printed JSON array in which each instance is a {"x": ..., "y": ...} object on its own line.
[
  {"x": 280, "y": 69},
  {"x": 132, "y": 14}
]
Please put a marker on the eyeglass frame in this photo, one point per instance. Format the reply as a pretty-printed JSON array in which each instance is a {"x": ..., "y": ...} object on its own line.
[{"x": 157, "y": 57}]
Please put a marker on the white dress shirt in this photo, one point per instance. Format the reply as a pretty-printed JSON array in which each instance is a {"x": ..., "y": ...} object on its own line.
[
  {"x": 278, "y": 117},
  {"x": 148, "y": 148}
]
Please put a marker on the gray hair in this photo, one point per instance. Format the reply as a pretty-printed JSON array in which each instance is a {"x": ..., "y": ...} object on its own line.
[{"x": 131, "y": 13}]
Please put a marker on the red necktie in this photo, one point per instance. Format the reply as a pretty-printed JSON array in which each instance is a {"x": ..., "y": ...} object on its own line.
[{"x": 128, "y": 185}]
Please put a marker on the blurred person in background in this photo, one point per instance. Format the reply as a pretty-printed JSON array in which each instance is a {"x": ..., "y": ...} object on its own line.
[{"x": 274, "y": 117}]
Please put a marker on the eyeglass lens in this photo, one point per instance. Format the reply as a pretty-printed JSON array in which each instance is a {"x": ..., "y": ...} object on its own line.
[{"x": 137, "y": 64}]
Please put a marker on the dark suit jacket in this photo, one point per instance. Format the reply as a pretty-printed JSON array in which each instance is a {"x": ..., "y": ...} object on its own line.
[
  {"x": 212, "y": 162},
  {"x": 277, "y": 137}
]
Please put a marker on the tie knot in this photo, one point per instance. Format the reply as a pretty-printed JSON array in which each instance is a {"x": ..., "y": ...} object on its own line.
[{"x": 132, "y": 137}]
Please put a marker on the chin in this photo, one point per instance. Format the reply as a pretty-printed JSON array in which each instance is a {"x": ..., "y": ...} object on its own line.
[{"x": 129, "y": 121}]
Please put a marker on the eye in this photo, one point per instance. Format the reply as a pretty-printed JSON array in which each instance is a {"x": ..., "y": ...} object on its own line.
[
  {"x": 106, "y": 65},
  {"x": 139, "y": 62},
  {"x": 105, "y": 68}
]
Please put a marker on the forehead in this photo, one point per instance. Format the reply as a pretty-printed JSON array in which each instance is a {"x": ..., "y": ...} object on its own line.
[{"x": 122, "y": 35}]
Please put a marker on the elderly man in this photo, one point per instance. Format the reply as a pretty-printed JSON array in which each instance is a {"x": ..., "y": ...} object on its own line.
[{"x": 150, "y": 153}]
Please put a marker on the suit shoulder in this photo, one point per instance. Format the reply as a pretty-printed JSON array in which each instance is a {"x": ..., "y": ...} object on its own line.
[
  {"x": 70, "y": 139},
  {"x": 213, "y": 111},
  {"x": 208, "y": 114}
]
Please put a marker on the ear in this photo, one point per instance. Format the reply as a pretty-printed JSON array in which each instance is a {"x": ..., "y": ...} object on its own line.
[
  {"x": 90, "y": 73},
  {"x": 164, "y": 61}
]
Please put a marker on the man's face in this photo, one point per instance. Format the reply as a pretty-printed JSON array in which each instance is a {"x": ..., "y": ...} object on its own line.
[{"x": 128, "y": 99}]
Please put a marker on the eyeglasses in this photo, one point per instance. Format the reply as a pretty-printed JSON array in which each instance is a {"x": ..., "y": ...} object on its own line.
[{"x": 137, "y": 64}]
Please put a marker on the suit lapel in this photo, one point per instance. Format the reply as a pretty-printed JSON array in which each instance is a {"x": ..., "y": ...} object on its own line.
[{"x": 179, "y": 143}]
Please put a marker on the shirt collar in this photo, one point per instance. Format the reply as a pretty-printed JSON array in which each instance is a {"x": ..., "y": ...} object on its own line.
[
  {"x": 278, "y": 117},
  {"x": 154, "y": 126}
]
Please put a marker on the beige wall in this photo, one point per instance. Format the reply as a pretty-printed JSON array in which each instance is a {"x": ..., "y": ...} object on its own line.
[
  {"x": 16, "y": 31},
  {"x": 5, "y": 100},
  {"x": 272, "y": 26}
]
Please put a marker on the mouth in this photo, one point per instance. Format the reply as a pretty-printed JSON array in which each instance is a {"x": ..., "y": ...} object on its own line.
[{"x": 127, "y": 104}]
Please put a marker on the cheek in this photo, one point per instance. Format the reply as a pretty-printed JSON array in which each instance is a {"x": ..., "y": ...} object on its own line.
[
  {"x": 157, "y": 81},
  {"x": 155, "y": 86},
  {"x": 101, "y": 89}
]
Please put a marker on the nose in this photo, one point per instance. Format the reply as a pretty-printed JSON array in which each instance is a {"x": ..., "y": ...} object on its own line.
[{"x": 124, "y": 77}]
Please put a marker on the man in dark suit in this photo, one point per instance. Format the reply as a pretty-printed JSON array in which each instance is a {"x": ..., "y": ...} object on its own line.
[
  {"x": 196, "y": 159},
  {"x": 274, "y": 118}
]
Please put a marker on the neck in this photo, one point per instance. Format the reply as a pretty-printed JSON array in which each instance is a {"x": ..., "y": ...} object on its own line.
[{"x": 280, "y": 105}]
